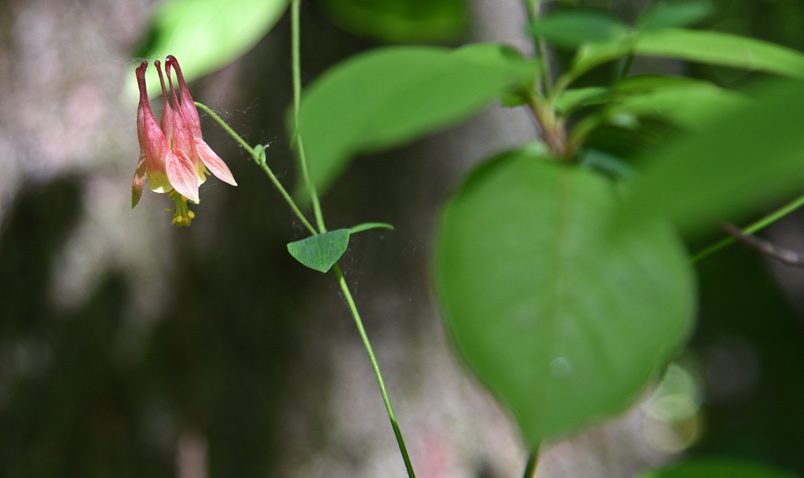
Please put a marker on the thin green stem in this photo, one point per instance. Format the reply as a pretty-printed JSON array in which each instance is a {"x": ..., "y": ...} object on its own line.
[
  {"x": 297, "y": 140},
  {"x": 287, "y": 197},
  {"x": 296, "y": 59},
  {"x": 260, "y": 160},
  {"x": 226, "y": 127},
  {"x": 752, "y": 228},
  {"x": 375, "y": 365},
  {"x": 533, "y": 463},
  {"x": 533, "y": 8},
  {"x": 552, "y": 128}
]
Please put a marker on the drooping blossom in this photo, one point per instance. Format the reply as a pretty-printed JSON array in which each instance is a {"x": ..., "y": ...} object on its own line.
[
  {"x": 174, "y": 158},
  {"x": 186, "y": 118}
]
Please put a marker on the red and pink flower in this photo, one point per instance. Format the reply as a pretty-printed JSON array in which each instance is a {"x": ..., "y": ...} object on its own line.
[{"x": 174, "y": 158}]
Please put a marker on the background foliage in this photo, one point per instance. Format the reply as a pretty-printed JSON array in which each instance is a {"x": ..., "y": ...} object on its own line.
[{"x": 88, "y": 392}]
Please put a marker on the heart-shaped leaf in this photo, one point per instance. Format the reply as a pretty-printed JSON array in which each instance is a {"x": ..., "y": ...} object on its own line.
[
  {"x": 322, "y": 251},
  {"x": 564, "y": 322}
]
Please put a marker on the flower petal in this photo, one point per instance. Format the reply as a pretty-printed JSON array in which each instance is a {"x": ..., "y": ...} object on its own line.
[
  {"x": 213, "y": 162},
  {"x": 181, "y": 174},
  {"x": 138, "y": 182}
]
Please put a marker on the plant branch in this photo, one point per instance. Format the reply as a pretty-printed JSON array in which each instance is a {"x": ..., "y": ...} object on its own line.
[
  {"x": 533, "y": 9},
  {"x": 785, "y": 256},
  {"x": 295, "y": 43},
  {"x": 296, "y": 61},
  {"x": 259, "y": 158},
  {"x": 375, "y": 365},
  {"x": 752, "y": 228},
  {"x": 551, "y": 127}
]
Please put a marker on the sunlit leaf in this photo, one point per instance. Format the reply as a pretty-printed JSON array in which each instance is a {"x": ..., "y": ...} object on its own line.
[
  {"x": 207, "y": 34},
  {"x": 564, "y": 324},
  {"x": 393, "y": 95}
]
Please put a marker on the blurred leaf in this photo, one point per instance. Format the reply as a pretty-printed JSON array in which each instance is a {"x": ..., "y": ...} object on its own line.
[
  {"x": 322, "y": 251},
  {"x": 697, "y": 46},
  {"x": 206, "y": 34},
  {"x": 722, "y": 49},
  {"x": 401, "y": 20},
  {"x": 674, "y": 14},
  {"x": 393, "y": 95},
  {"x": 605, "y": 163},
  {"x": 753, "y": 154},
  {"x": 573, "y": 28},
  {"x": 563, "y": 324},
  {"x": 692, "y": 105},
  {"x": 720, "y": 468},
  {"x": 569, "y": 100}
]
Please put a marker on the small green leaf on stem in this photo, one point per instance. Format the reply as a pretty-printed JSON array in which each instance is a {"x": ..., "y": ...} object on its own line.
[
  {"x": 259, "y": 153},
  {"x": 322, "y": 251},
  {"x": 367, "y": 226}
]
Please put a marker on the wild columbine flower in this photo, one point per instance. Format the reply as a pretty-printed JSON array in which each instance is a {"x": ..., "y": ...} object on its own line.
[{"x": 173, "y": 155}]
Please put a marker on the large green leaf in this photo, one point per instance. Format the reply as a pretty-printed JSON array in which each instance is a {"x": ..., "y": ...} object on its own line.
[
  {"x": 392, "y": 95},
  {"x": 753, "y": 154},
  {"x": 698, "y": 46},
  {"x": 561, "y": 322},
  {"x": 401, "y": 20},
  {"x": 207, "y": 34},
  {"x": 717, "y": 468}
]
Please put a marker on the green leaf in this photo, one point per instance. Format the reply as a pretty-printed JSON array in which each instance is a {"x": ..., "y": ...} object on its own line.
[
  {"x": 570, "y": 100},
  {"x": 605, "y": 163},
  {"x": 572, "y": 29},
  {"x": 692, "y": 105},
  {"x": 389, "y": 96},
  {"x": 715, "y": 48},
  {"x": 722, "y": 49},
  {"x": 206, "y": 34},
  {"x": 717, "y": 468},
  {"x": 564, "y": 324},
  {"x": 401, "y": 20},
  {"x": 751, "y": 155},
  {"x": 674, "y": 14},
  {"x": 368, "y": 226},
  {"x": 633, "y": 86},
  {"x": 322, "y": 251}
]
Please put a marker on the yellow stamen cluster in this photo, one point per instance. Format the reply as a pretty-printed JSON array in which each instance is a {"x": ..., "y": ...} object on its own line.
[{"x": 182, "y": 215}]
